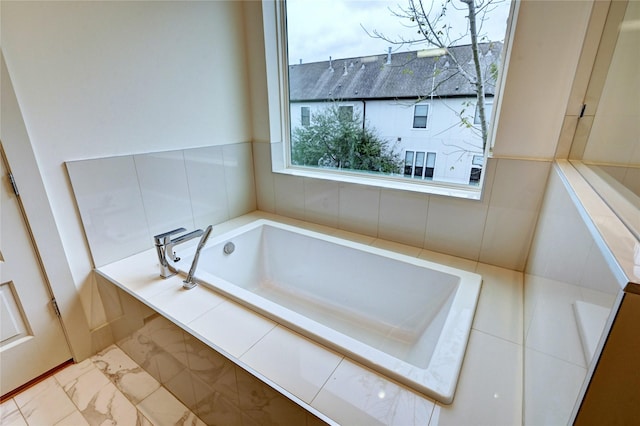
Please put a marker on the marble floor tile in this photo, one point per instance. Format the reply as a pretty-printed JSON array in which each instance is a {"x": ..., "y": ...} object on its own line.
[
  {"x": 162, "y": 408},
  {"x": 45, "y": 403},
  {"x": 128, "y": 376},
  {"x": 10, "y": 414},
  {"x": 74, "y": 419}
]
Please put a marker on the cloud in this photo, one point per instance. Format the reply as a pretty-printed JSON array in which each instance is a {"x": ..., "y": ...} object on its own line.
[{"x": 318, "y": 29}]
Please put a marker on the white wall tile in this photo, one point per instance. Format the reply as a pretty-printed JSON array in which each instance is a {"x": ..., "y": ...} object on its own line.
[
  {"x": 359, "y": 206},
  {"x": 321, "y": 201},
  {"x": 519, "y": 184},
  {"x": 110, "y": 204},
  {"x": 507, "y": 237},
  {"x": 165, "y": 192},
  {"x": 500, "y": 309},
  {"x": 289, "y": 195},
  {"x": 238, "y": 171},
  {"x": 207, "y": 185},
  {"x": 455, "y": 226},
  {"x": 403, "y": 216},
  {"x": 516, "y": 196},
  {"x": 551, "y": 387},
  {"x": 265, "y": 195},
  {"x": 562, "y": 242}
]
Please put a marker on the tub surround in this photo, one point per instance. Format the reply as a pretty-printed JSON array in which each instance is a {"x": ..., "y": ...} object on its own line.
[{"x": 325, "y": 383}]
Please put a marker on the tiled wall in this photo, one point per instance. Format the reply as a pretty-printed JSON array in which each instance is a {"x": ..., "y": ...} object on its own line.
[
  {"x": 214, "y": 388},
  {"x": 496, "y": 230},
  {"x": 566, "y": 264},
  {"x": 124, "y": 201}
]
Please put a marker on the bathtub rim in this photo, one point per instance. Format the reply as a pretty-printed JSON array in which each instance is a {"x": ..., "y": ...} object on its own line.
[{"x": 437, "y": 381}]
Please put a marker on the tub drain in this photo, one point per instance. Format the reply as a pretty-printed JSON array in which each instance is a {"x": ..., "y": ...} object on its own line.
[{"x": 229, "y": 248}]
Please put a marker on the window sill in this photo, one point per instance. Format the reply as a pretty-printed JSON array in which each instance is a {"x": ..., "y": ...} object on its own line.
[{"x": 425, "y": 187}]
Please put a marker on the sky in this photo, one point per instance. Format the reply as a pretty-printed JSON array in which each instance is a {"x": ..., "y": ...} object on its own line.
[{"x": 318, "y": 29}]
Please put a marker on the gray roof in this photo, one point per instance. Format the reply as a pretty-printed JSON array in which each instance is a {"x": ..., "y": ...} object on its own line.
[{"x": 407, "y": 76}]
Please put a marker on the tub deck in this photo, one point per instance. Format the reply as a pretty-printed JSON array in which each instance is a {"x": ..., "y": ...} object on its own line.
[{"x": 330, "y": 385}]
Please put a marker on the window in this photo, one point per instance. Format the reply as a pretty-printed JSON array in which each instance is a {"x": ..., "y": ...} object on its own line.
[
  {"x": 415, "y": 166},
  {"x": 476, "y": 169},
  {"x": 369, "y": 140},
  {"x": 305, "y": 116},
  {"x": 345, "y": 113},
  {"x": 420, "y": 113}
]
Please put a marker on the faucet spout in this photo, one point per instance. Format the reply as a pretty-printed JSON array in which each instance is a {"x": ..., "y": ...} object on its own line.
[
  {"x": 164, "y": 248},
  {"x": 190, "y": 281}
]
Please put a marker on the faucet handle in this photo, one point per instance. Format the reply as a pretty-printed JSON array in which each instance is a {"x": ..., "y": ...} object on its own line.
[{"x": 164, "y": 237}]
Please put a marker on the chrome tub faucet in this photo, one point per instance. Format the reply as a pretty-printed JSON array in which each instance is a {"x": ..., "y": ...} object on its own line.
[{"x": 164, "y": 247}]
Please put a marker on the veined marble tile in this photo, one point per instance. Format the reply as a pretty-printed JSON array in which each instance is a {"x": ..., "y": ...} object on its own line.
[
  {"x": 217, "y": 409},
  {"x": 128, "y": 376},
  {"x": 214, "y": 370},
  {"x": 141, "y": 349},
  {"x": 83, "y": 389},
  {"x": 44, "y": 403},
  {"x": 10, "y": 414},
  {"x": 110, "y": 406},
  {"x": 162, "y": 408},
  {"x": 264, "y": 405},
  {"x": 74, "y": 371},
  {"x": 73, "y": 419}
]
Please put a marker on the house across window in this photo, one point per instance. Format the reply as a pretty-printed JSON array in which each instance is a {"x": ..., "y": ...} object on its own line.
[
  {"x": 420, "y": 114},
  {"x": 305, "y": 116}
]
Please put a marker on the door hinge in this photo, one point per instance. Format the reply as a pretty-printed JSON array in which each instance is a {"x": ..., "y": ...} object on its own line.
[
  {"x": 13, "y": 184},
  {"x": 584, "y": 107},
  {"x": 54, "y": 304}
]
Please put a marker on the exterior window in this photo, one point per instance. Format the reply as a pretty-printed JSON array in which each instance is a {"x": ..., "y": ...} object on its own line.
[
  {"x": 408, "y": 163},
  {"x": 420, "y": 113},
  {"x": 305, "y": 116},
  {"x": 476, "y": 169},
  {"x": 363, "y": 103},
  {"x": 415, "y": 166},
  {"x": 345, "y": 113},
  {"x": 431, "y": 165},
  {"x": 419, "y": 171}
]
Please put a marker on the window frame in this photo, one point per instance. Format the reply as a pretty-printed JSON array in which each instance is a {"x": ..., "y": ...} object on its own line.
[
  {"x": 276, "y": 64},
  {"x": 426, "y": 117}
]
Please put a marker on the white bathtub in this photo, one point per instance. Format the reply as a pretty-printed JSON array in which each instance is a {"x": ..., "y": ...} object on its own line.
[{"x": 406, "y": 318}]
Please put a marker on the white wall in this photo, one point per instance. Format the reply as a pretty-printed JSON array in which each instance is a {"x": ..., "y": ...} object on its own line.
[{"x": 96, "y": 79}]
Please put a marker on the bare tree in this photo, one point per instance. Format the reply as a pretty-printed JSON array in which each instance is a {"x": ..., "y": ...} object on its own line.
[{"x": 433, "y": 28}]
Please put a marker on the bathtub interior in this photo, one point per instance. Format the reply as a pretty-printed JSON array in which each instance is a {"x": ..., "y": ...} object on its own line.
[{"x": 373, "y": 297}]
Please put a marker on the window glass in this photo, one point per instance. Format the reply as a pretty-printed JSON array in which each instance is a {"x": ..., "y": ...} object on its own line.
[
  {"x": 305, "y": 116},
  {"x": 420, "y": 116},
  {"x": 366, "y": 69}
]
